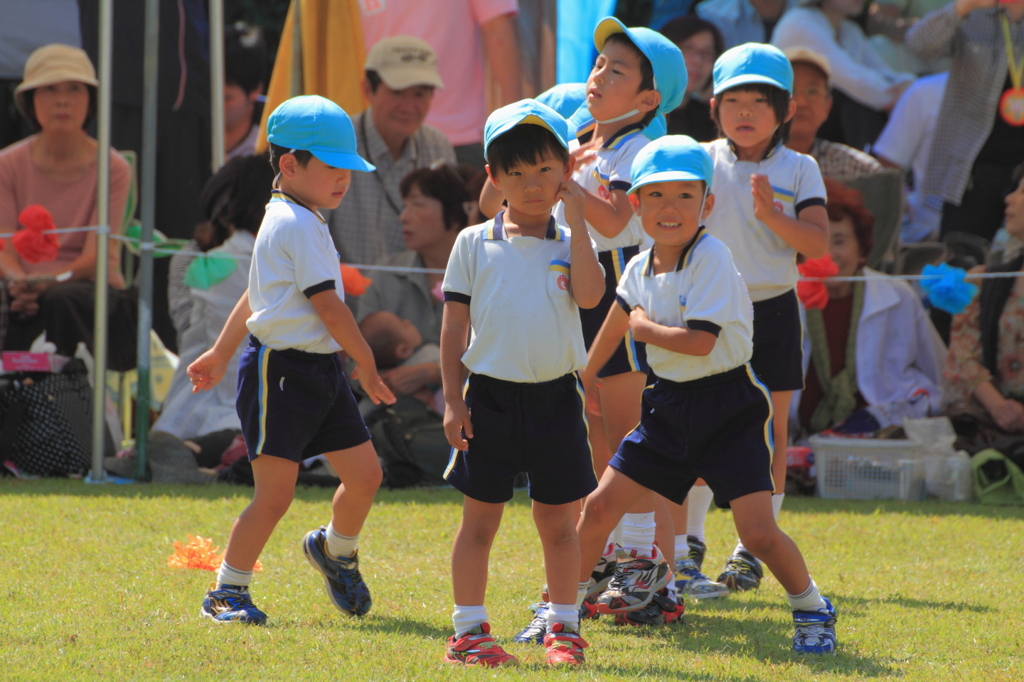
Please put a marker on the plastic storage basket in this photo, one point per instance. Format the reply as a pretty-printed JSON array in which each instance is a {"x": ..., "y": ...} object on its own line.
[{"x": 868, "y": 469}]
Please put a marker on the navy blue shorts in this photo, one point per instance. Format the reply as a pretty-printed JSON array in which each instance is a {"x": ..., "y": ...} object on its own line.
[
  {"x": 537, "y": 428},
  {"x": 294, "y": 404},
  {"x": 778, "y": 358},
  {"x": 630, "y": 356},
  {"x": 718, "y": 428}
]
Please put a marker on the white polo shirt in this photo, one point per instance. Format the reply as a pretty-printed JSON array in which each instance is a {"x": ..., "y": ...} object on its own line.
[
  {"x": 607, "y": 171},
  {"x": 293, "y": 259},
  {"x": 526, "y": 326},
  {"x": 703, "y": 292},
  {"x": 766, "y": 261}
]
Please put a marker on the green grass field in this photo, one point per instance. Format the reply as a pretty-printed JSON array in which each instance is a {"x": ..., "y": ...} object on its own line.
[{"x": 924, "y": 591}]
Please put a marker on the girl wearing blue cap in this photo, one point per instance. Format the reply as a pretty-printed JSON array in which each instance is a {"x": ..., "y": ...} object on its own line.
[
  {"x": 294, "y": 401},
  {"x": 705, "y": 413},
  {"x": 771, "y": 208}
]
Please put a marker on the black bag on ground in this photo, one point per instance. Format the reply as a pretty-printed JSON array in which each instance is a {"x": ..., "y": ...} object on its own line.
[
  {"x": 46, "y": 422},
  {"x": 410, "y": 443}
]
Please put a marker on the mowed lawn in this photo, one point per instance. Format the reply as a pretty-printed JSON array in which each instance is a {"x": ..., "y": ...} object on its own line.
[{"x": 924, "y": 591}]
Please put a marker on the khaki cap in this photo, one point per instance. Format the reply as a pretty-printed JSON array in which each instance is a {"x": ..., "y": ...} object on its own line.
[
  {"x": 799, "y": 53},
  {"x": 54, "y": 63},
  {"x": 404, "y": 61}
]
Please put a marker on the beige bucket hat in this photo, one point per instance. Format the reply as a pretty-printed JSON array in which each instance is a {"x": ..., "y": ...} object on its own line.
[
  {"x": 54, "y": 63},
  {"x": 404, "y": 61}
]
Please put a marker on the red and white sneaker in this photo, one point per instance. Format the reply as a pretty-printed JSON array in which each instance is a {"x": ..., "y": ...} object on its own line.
[
  {"x": 477, "y": 647},
  {"x": 637, "y": 579},
  {"x": 564, "y": 646}
]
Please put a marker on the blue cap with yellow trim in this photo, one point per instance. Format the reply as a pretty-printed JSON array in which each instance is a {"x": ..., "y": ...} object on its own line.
[
  {"x": 671, "y": 158},
  {"x": 753, "y": 63},
  {"x": 666, "y": 59},
  {"x": 319, "y": 126},
  {"x": 525, "y": 112}
]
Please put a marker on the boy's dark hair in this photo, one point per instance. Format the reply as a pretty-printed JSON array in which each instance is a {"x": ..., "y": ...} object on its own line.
[
  {"x": 443, "y": 182},
  {"x": 30, "y": 107},
  {"x": 777, "y": 98},
  {"x": 277, "y": 151},
  {"x": 373, "y": 79},
  {"x": 245, "y": 57},
  {"x": 235, "y": 198},
  {"x": 383, "y": 339},
  {"x": 646, "y": 68},
  {"x": 524, "y": 144}
]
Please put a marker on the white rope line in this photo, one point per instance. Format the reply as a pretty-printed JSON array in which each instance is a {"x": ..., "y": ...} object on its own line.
[{"x": 152, "y": 246}]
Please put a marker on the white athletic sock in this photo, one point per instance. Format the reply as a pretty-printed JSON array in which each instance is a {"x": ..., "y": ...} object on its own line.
[
  {"x": 682, "y": 548},
  {"x": 340, "y": 545},
  {"x": 776, "y": 508},
  {"x": 638, "y": 533},
  {"x": 615, "y": 537},
  {"x": 227, "y": 575},
  {"x": 581, "y": 593},
  {"x": 465, "y": 618},
  {"x": 700, "y": 498},
  {"x": 566, "y": 614},
  {"x": 808, "y": 600}
]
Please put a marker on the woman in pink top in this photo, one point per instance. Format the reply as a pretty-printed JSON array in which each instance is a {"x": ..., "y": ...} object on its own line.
[{"x": 57, "y": 169}]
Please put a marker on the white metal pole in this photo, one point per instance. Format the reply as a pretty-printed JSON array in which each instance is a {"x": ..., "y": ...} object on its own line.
[
  {"x": 217, "y": 83},
  {"x": 99, "y": 393}
]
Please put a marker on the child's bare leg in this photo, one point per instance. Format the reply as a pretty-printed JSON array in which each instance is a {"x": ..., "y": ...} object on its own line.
[
  {"x": 360, "y": 472},
  {"x": 556, "y": 525},
  {"x": 615, "y": 493},
  {"x": 598, "y": 443},
  {"x": 472, "y": 549},
  {"x": 274, "y": 480},
  {"x": 664, "y": 532},
  {"x": 780, "y": 434},
  {"x": 759, "y": 534}
]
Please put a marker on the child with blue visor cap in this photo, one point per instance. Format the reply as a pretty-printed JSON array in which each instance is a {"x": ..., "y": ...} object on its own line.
[
  {"x": 705, "y": 415},
  {"x": 771, "y": 209}
]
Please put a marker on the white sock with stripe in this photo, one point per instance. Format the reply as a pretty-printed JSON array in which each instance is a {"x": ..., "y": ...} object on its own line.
[{"x": 638, "y": 534}]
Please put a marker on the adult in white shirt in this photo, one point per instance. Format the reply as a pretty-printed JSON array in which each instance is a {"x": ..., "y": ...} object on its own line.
[
  {"x": 866, "y": 88},
  {"x": 744, "y": 21}
]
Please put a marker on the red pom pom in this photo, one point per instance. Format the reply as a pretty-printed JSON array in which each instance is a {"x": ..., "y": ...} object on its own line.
[
  {"x": 31, "y": 244},
  {"x": 353, "y": 281},
  {"x": 814, "y": 294},
  {"x": 36, "y": 218}
]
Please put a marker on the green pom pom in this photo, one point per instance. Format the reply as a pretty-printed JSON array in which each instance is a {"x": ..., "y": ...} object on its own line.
[{"x": 205, "y": 271}]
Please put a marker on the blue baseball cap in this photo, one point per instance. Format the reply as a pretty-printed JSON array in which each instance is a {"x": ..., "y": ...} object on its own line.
[
  {"x": 670, "y": 158},
  {"x": 525, "y": 112},
  {"x": 664, "y": 55},
  {"x": 753, "y": 63},
  {"x": 565, "y": 98},
  {"x": 319, "y": 126}
]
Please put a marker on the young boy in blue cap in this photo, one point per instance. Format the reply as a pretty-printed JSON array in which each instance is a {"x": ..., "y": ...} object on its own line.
[
  {"x": 518, "y": 281},
  {"x": 293, "y": 399},
  {"x": 705, "y": 414},
  {"x": 771, "y": 209}
]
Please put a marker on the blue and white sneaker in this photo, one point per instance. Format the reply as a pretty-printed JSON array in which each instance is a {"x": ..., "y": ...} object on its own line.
[
  {"x": 538, "y": 627},
  {"x": 342, "y": 580},
  {"x": 815, "y": 630},
  {"x": 231, "y": 604}
]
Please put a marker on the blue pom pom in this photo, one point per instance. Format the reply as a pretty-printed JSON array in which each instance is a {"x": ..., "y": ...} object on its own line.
[{"x": 947, "y": 289}]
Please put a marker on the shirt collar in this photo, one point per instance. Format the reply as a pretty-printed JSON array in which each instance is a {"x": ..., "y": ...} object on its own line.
[
  {"x": 684, "y": 257},
  {"x": 280, "y": 195},
  {"x": 496, "y": 231},
  {"x": 770, "y": 154},
  {"x": 586, "y": 131}
]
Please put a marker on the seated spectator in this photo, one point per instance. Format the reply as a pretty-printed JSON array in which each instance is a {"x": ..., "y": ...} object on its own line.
[
  {"x": 985, "y": 364},
  {"x": 398, "y": 343},
  {"x": 401, "y": 75},
  {"x": 866, "y": 88},
  {"x": 906, "y": 143},
  {"x": 845, "y": 339},
  {"x": 744, "y": 21},
  {"x": 651, "y": 13},
  {"x": 214, "y": 286},
  {"x": 436, "y": 209},
  {"x": 245, "y": 73},
  {"x": 812, "y": 95},
  {"x": 57, "y": 169},
  {"x": 701, "y": 44},
  {"x": 978, "y": 141}
]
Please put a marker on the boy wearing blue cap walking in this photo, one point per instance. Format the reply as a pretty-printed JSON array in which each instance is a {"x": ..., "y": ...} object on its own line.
[
  {"x": 705, "y": 413},
  {"x": 771, "y": 208},
  {"x": 294, "y": 401},
  {"x": 518, "y": 281}
]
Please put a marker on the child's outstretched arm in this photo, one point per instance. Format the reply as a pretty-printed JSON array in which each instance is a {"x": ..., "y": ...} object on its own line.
[
  {"x": 586, "y": 276},
  {"x": 454, "y": 341},
  {"x": 676, "y": 339},
  {"x": 342, "y": 326},
  {"x": 608, "y": 216},
  {"x": 807, "y": 233},
  {"x": 614, "y": 327},
  {"x": 209, "y": 368}
]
